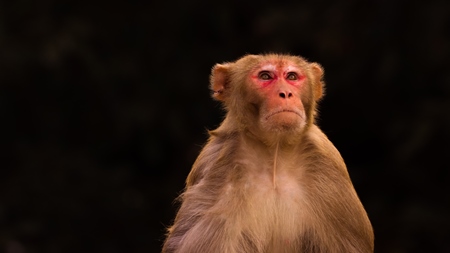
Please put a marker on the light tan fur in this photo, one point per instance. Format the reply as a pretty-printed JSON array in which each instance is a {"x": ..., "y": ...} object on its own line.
[{"x": 268, "y": 185}]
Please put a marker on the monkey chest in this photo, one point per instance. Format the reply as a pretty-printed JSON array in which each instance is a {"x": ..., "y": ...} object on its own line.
[{"x": 276, "y": 204}]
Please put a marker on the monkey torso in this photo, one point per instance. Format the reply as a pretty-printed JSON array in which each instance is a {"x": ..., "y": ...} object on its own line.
[{"x": 282, "y": 201}]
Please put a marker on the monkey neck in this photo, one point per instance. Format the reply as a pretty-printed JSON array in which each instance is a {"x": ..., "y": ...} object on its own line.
[
  {"x": 271, "y": 157},
  {"x": 274, "y": 169},
  {"x": 284, "y": 140},
  {"x": 275, "y": 145}
]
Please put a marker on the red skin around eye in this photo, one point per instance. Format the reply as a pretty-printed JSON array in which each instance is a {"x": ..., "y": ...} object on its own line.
[
  {"x": 297, "y": 82},
  {"x": 264, "y": 83},
  {"x": 279, "y": 72},
  {"x": 275, "y": 78}
]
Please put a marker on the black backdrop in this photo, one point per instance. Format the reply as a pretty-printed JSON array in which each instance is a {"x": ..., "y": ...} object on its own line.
[{"x": 104, "y": 106}]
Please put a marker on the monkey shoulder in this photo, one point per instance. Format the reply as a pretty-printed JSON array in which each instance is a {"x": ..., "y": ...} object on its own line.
[
  {"x": 318, "y": 148},
  {"x": 317, "y": 137},
  {"x": 216, "y": 153}
]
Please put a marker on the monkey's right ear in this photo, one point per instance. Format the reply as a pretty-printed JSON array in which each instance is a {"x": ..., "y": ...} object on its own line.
[{"x": 219, "y": 81}]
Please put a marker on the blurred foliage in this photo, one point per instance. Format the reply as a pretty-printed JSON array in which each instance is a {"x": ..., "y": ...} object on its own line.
[{"x": 105, "y": 106}]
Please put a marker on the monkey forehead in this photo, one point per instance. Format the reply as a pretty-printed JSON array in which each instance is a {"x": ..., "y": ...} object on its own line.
[
  {"x": 267, "y": 66},
  {"x": 252, "y": 60},
  {"x": 278, "y": 66}
]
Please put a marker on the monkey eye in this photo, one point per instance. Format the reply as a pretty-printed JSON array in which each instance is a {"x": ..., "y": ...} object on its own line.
[
  {"x": 291, "y": 76},
  {"x": 264, "y": 75}
]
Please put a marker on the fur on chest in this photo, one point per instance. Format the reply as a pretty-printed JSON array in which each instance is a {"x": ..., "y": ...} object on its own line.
[{"x": 265, "y": 207}]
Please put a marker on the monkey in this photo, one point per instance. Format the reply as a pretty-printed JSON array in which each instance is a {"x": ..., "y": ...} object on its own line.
[{"x": 268, "y": 179}]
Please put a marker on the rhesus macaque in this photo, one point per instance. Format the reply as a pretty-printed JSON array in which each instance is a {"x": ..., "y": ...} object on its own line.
[{"x": 269, "y": 180}]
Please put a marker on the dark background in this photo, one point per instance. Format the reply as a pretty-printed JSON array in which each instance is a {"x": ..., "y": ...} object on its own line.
[{"x": 104, "y": 107}]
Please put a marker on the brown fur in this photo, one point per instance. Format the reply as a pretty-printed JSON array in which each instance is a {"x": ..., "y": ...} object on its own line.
[{"x": 265, "y": 184}]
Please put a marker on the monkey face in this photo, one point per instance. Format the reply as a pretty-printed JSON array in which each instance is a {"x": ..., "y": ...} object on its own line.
[
  {"x": 269, "y": 95},
  {"x": 279, "y": 85}
]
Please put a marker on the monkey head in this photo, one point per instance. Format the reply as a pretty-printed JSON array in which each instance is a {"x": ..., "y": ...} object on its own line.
[{"x": 269, "y": 95}]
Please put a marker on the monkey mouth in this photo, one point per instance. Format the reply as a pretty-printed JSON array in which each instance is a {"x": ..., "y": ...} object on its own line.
[{"x": 284, "y": 110}]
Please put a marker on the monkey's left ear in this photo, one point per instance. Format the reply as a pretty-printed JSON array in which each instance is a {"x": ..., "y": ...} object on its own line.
[
  {"x": 219, "y": 81},
  {"x": 319, "y": 85}
]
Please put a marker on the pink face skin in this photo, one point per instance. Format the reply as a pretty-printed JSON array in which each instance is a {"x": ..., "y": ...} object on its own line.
[
  {"x": 284, "y": 71},
  {"x": 280, "y": 84}
]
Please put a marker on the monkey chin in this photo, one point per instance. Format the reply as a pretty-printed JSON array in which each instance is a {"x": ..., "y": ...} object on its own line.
[{"x": 284, "y": 123}]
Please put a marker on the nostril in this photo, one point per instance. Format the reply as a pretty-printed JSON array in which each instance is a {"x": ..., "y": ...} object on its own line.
[{"x": 285, "y": 94}]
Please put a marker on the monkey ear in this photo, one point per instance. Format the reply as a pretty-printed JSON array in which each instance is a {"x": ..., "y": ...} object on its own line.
[
  {"x": 319, "y": 86},
  {"x": 219, "y": 81}
]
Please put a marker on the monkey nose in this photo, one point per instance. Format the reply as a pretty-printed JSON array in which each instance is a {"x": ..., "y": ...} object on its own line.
[{"x": 285, "y": 94}]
